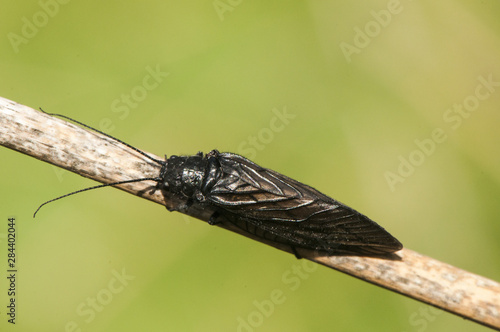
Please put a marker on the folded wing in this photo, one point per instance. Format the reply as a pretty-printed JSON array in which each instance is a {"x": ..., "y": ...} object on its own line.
[{"x": 262, "y": 200}]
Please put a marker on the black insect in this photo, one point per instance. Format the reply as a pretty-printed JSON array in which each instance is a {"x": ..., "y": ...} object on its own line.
[
  {"x": 267, "y": 203},
  {"x": 273, "y": 206}
]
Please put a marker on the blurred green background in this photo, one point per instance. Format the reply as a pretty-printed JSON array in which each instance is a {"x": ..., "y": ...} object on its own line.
[{"x": 334, "y": 95}]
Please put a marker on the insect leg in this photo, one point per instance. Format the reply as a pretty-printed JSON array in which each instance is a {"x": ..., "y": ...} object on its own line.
[
  {"x": 213, "y": 218},
  {"x": 294, "y": 251},
  {"x": 181, "y": 207}
]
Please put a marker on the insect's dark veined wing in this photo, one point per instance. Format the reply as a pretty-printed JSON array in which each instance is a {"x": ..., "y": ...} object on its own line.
[{"x": 264, "y": 201}]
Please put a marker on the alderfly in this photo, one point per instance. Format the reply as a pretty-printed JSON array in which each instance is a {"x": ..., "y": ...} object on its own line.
[{"x": 266, "y": 203}]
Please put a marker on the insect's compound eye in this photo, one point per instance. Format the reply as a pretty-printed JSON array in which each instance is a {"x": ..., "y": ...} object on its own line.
[{"x": 199, "y": 197}]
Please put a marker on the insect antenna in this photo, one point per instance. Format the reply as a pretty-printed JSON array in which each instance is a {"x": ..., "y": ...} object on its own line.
[
  {"x": 161, "y": 162},
  {"x": 95, "y": 187}
]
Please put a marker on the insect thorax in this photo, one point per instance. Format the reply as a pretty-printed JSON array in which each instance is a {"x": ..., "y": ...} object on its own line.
[{"x": 191, "y": 176}]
